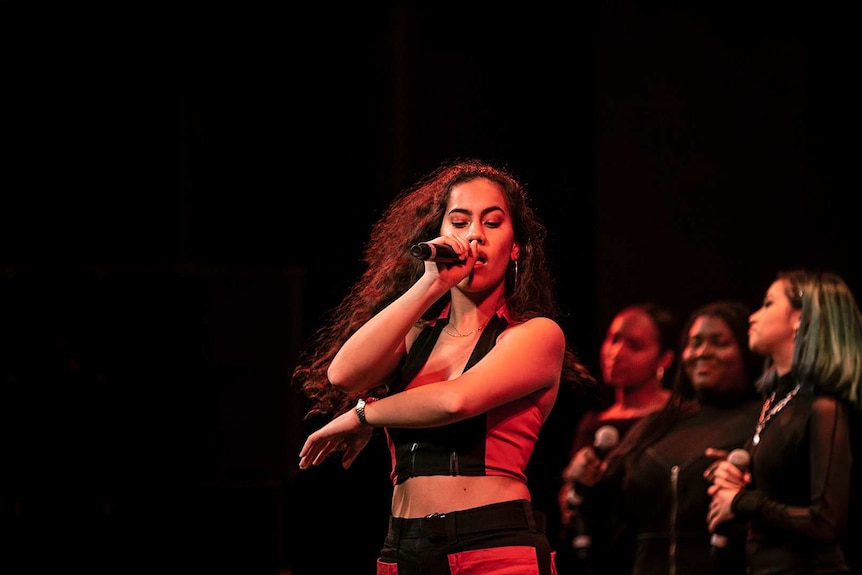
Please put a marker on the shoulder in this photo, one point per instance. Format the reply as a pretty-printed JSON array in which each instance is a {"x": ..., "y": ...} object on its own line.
[
  {"x": 829, "y": 421},
  {"x": 537, "y": 325},
  {"x": 828, "y": 413},
  {"x": 827, "y": 406},
  {"x": 534, "y": 330},
  {"x": 825, "y": 403}
]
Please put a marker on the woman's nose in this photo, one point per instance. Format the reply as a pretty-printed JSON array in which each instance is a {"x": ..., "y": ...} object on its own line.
[
  {"x": 701, "y": 350},
  {"x": 475, "y": 234}
]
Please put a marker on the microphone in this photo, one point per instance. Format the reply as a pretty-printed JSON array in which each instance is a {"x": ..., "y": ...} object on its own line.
[
  {"x": 429, "y": 252},
  {"x": 607, "y": 437},
  {"x": 741, "y": 459}
]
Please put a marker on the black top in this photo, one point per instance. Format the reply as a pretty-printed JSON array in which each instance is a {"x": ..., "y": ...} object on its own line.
[
  {"x": 570, "y": 561},
  {"x": 798, "y": 501},
  {"x": 649, "y": 513},
  {"x": 453, "y": 449}
]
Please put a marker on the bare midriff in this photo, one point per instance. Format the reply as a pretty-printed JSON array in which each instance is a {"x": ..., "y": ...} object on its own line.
[{"x": 425, "y": 495}]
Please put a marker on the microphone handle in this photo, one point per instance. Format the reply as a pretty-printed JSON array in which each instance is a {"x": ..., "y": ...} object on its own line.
[
  {"x": 429, "y": 252},
  {"x": 601, "y": 452}
]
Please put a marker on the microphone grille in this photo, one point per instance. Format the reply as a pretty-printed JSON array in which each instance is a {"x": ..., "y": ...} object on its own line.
[
  {"x": 740, "y": 458},
  {"x": 607, "y": 437}
]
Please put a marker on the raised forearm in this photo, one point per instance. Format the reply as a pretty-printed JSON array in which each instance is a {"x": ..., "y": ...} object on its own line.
[{"x": 368, "y": 357}]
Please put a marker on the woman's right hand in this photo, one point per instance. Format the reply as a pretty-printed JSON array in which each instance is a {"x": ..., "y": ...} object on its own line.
[
  {"x": 585, "y": 467},
  {"x": 451, "y": 273},
  {"x": 342, "y": 433}
]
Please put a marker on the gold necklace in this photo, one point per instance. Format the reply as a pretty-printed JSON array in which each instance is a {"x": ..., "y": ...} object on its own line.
[
  {"x": 766, "y": 413},
  {"x": 458, "y": 333}
]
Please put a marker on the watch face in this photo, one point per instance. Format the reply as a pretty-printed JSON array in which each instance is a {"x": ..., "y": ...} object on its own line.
[{"x": 360, "y": 411}]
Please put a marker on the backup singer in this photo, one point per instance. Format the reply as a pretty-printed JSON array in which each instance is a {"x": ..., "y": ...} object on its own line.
[{"x": 796, "y": 496}]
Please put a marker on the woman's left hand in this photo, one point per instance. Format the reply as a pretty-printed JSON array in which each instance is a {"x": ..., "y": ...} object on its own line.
[{"x": 342, "y": 433}]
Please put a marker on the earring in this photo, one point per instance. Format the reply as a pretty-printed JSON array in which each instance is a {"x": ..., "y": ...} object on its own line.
[
  {"x": 659, "y": 373},
  {"x": 516, "y": 274}
]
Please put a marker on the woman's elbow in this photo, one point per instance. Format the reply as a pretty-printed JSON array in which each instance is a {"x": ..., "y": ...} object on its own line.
[
  {"x": 350, "y": 381},
  {"x": 338, "y": 380},
  {"x": 454, "y": 406}
]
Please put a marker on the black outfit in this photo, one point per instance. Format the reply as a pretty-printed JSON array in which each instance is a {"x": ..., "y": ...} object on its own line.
[
  {"x": 648, "y": 512},
  {"x": 797, "y": 504},
  {"x": 572, "y": 557}
]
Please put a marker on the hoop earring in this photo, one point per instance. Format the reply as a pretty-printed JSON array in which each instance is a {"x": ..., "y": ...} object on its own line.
[{"x": 515, "y": 283}]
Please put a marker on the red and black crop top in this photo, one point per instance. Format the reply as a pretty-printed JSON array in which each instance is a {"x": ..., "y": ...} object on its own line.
[{"x": 498, "y": 442}]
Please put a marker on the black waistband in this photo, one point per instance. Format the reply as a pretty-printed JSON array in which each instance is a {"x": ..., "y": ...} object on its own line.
[{"x": 507, "y": 515}]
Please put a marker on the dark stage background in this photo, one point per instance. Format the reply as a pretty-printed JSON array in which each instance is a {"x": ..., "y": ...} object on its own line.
[{"x": 186, "y": 189}]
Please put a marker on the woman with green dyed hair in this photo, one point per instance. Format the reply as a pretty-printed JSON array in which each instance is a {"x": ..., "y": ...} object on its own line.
[{"x": 796, "y": 495}]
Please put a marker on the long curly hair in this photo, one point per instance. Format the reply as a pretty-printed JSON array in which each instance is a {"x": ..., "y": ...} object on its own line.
[{"x": 416, "y": 215}]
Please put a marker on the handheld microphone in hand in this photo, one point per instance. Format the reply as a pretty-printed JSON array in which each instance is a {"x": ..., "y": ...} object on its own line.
[
  {"x": 741, "y": 459},
  {"x": 607, "y": 437},
  {"x": 429, "y": 252}
]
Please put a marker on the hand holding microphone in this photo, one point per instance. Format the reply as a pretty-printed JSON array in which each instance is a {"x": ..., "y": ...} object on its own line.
[
  {"x": 729, "y": 471},
  {"x": 450, "y": 248},
  {"x": 583, "y": 469},
  {"x": 606, "y": 438},
  {"x": 740, "y": 459},
  {"x": 584, "y": 466},
  {"x": 451, "y": 262},
  {"x": 426, "y": 251}
]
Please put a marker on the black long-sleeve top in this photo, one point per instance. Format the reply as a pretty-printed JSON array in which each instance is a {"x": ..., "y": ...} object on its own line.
[
  {"x": 649, "y": 512},
  {"x": 797, "y": 504}
]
